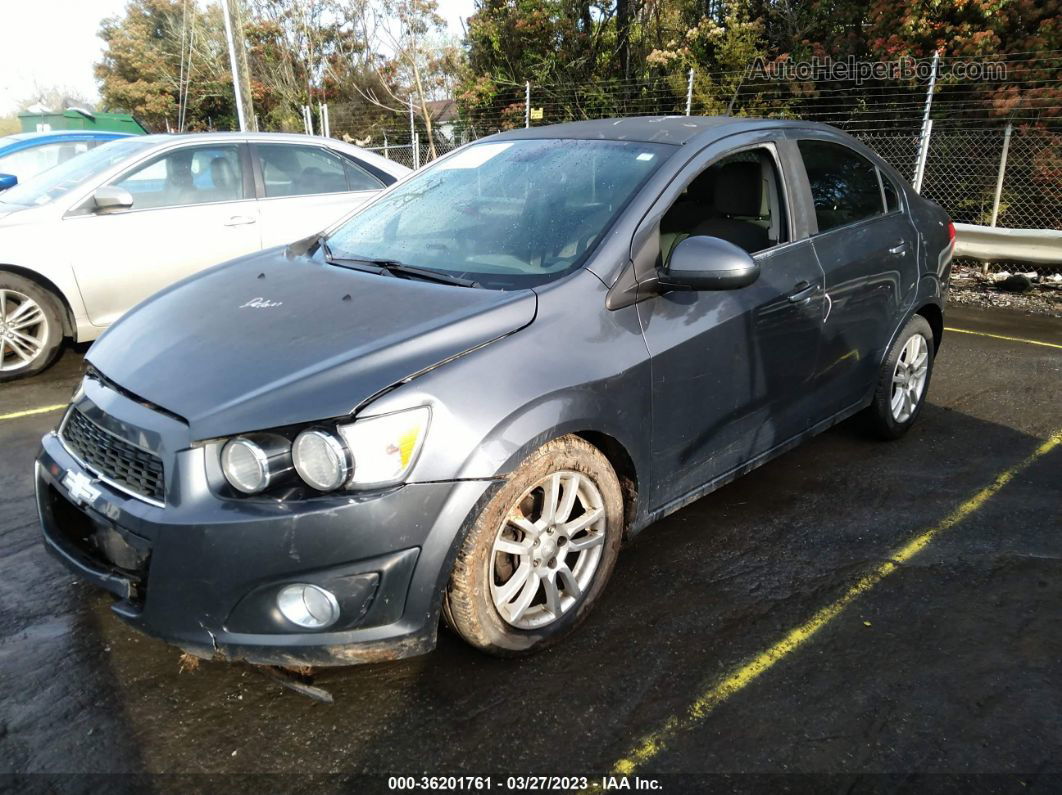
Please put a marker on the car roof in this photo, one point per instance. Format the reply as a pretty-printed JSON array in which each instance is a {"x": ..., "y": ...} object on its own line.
[
  {"x": 240, "y": 136},
  {"x": 57, "y": 134},
  {"x": 677, "y": 130},
  {"x": 18, "y": 142},
  {"x": 379, "y": 161}
]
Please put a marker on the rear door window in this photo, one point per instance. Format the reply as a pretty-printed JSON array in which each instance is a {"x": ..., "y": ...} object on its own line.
[
  {"x": 892, "y": 201},
  {"x": 844, "y": 184},
  {"x": 294, "y": 170}
]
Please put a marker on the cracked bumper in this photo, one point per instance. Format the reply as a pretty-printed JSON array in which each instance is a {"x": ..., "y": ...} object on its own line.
[{"x": 202, "y": 574}]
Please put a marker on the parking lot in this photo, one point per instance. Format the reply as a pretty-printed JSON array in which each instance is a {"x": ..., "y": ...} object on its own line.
[{"x": 852, "y": 610}]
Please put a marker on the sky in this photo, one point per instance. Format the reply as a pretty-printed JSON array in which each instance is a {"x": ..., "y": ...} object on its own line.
[{"x": 53, "y": 43}]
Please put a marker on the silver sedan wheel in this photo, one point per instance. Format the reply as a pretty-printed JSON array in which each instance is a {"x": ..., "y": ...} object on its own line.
[
  {"x": 23, "y": 330},
  {"x": 909, "y": 377},
  {"x": 547, "y": 550}
]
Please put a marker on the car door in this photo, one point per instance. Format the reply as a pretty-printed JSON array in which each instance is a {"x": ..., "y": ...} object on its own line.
[
  {"x": 305, "y": 188},
  {"x": 730, "y": 369},
  {"x": 192, "y": 208},
  {"x": 865, "y": 243}
]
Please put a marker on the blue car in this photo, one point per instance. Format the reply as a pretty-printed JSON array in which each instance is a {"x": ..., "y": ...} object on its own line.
[{"x": 24, "y": 155}]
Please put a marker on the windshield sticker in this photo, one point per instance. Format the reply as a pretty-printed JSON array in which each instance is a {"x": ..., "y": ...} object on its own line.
[
  {"x": 645, "y": 156},
  {"x": 473, "y": 157}
]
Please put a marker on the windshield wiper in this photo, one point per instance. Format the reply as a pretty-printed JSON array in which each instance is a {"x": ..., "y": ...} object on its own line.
[{"x": 396, "y": 268}]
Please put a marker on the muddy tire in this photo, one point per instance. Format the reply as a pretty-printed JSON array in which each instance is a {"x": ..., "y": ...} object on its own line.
[
  {"x": 538, "y": 556},
  {"x": 31, "y": 327},
  {"x": 903, "y": 381}
]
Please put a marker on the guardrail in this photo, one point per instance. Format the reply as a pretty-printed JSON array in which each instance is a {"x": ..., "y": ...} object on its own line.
[{"x": 993, "y": 244}]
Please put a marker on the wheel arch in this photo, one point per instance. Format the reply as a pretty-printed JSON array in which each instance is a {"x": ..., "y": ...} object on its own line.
[
  {"x": 67, "y": 313},
  {"x": 623, "y": 465},
  {"x": 934, "y": 315},
  {"x": 501, "y": 451}
]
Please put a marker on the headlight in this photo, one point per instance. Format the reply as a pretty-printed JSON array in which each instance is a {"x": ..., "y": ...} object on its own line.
[
  {"x": 321, "y": 459},
  {"x": 385, "y": 448},
  {"x": 246, "y": 465}
]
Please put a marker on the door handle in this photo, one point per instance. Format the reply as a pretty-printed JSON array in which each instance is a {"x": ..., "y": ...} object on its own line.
[
  {"x": 240, "y": 220},
  {"x": 898, "y": 249},
  {"x": 802, "y": 292}
]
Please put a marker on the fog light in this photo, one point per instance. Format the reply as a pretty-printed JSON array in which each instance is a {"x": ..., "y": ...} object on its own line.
[{"x": 308, "y": 605}]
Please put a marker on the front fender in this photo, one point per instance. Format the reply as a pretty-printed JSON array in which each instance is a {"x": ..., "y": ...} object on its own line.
[{"x": 571, "y": 370}]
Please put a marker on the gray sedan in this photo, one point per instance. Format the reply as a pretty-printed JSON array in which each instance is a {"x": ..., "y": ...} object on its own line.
[{"x": 461, "y": 400}]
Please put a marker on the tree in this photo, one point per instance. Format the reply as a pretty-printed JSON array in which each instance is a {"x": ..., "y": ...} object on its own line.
[
  {"x": 419, "y": 61},
  {"x": 166, "y": 61}
]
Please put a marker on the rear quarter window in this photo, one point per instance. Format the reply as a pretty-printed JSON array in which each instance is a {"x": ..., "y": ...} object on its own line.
[{"x": 844, "y": 184}]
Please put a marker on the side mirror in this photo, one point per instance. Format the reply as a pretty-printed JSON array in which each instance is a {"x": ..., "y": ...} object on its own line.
[
  {"x": 707, "y": 263},
  {"x": 112, "y": 199},
  {"x": 8, "y": 181}
]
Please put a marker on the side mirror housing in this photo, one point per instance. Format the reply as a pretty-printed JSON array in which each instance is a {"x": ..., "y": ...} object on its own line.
[
  {"x": 8, "y": 181},
  {"x": 112, "y": 199},
  {"x": 707, "y": 263}
]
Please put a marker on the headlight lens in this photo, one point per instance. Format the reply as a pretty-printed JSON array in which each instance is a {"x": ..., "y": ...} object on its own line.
[
  {"x": 246, "y": 465},
  {"x": 386, "y": 447},
  {"x": 321, "y": 459}
]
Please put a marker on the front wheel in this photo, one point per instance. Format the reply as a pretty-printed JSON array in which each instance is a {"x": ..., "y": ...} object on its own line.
[
  {"x": 540, "y": 553},
  {"x": 903, "y": 380},
  {"x": 31, "y": 328}
]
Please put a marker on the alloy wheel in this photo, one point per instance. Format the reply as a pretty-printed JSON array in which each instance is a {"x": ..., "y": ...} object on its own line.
[
  {"x": 23, "y": 330},
  {"x": 909, "y": 377},
  {"x": 547, "y": 550}
]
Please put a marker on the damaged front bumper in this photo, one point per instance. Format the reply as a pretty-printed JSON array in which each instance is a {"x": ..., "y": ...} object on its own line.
[{"x": 201, "y": 571}]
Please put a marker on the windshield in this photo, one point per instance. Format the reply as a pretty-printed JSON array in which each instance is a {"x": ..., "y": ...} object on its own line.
[
  {"x": 508, "y": 215},
  {"x": 10, "y": 139},
  {"x": 56, "y": 181}
]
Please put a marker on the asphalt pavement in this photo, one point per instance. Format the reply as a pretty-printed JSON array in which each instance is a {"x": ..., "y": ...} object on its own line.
[{"x": 856, "y": 615}]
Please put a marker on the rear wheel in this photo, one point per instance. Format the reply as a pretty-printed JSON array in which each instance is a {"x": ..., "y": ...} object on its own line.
[
  {"x": 540, "y": 553},
  {"x": 903, "y": 380},
  {"x": 31, "y": 328}
]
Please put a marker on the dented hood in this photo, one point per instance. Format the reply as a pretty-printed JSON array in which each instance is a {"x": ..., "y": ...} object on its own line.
[{"x": 277, "y": 339}]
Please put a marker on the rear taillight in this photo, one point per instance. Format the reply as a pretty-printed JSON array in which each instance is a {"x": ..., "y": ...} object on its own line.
[{"x": 951, "y": 231}]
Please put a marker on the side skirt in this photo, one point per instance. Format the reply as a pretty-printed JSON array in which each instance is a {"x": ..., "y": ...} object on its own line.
[{"x": 657, "y": 514}]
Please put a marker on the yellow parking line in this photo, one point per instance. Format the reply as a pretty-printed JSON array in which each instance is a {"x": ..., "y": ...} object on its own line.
[
  {"x": 30, "y": 412},
  {"x": 1003, "y": 337},
  {"x": 653, "y": 743}
]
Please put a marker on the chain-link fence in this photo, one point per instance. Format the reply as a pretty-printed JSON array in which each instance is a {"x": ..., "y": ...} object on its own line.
[
  {"x": 966, "y": 167},
  {"x": 981, "y": 168}
]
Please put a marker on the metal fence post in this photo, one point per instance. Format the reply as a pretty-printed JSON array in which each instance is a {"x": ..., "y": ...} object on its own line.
[
  {"x": 386, "y": 152},
  {"x": 416, "y": 150},
  {"x": 412, "y": 124},
  {"x": 927, "y": 126},
  {"x": 527, "y": 104},
  {"x": 1002, "y": 171},
  {"x": 689, "y": 91},
  {"x": 923, "y": 153}
]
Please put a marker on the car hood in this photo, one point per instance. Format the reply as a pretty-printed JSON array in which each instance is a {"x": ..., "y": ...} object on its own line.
[{"x": 277, "y": 339}]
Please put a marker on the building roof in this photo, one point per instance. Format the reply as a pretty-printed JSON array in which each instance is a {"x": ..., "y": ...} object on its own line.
[{"x": 442, "y": 110}]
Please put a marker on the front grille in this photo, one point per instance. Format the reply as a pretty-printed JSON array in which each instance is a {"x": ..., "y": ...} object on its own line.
[{"x": 127, "y": 466}]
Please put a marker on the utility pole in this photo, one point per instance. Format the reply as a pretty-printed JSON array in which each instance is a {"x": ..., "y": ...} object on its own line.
[{"x": 237, "y": 58}]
